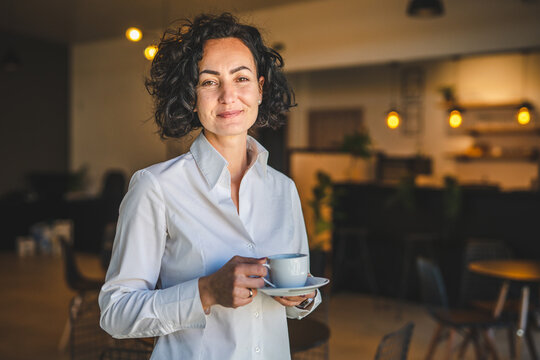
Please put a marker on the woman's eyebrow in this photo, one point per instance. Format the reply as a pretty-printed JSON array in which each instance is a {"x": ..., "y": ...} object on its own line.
[{"x": 213, "y": 72}]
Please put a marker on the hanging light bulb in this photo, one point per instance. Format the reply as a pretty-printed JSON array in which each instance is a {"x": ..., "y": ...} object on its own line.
[
  {"x": 133, "y": 34},
  {"x": 392, "y": 119},
  {"x": 150, "y": 52},
  {"x": 524, "y": 114},
  {"x": 455, "y": 118}
]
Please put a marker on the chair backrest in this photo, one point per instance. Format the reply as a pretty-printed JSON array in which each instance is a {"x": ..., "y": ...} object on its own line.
[
  {"x": 119, "y": 353},
  {"x": 431, "y": 284},
  {"x": 87, "y": 340},
  {"x": 71, "y": 271},
  {"x": 477, "y": 287},
  {"x": 394, "y": 346}
]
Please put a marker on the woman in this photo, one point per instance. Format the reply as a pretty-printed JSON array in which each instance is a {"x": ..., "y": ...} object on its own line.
[{"x": 194, "y": 231}]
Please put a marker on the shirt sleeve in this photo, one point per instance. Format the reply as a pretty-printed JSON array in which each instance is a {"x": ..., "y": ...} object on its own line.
[
  {"x": 130, "y": 304},
  {"x": 300, "y": 235}
]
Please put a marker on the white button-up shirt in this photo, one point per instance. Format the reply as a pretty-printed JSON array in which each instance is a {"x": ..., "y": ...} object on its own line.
[{"x": 178, "y": 223}]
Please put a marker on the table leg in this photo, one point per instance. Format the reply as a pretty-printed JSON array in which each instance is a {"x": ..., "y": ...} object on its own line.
[
  {"x": 503, "y": 293},
  {"x": 522, "y": 326}
]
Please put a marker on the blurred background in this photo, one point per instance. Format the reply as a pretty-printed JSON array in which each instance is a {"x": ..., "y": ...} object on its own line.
[{"x": 416, "y": 134}]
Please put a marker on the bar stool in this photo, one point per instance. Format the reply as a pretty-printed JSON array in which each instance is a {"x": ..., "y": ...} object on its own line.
[
  {"x": 414, "y": 245},
  {"x": 354, "y": 241}
]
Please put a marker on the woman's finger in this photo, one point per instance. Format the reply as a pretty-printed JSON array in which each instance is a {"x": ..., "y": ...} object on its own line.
[
  {"x": 247, "y": 260},
  {"x": 249, "y": 282},
  {"x": 286, "y": 302},
  {"x": 251, "y": 292},
  {"x": 250, "y": 269}
]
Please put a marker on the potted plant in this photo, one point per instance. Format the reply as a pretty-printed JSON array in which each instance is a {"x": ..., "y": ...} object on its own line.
[
  {"x": 357, "y": 144},
  {"x": 321, "y": 235}
]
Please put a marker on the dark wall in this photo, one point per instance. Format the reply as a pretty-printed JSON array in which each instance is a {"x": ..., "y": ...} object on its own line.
[
  {"x": 484, "y": 213},
  {"x": 34, "y": 111}
]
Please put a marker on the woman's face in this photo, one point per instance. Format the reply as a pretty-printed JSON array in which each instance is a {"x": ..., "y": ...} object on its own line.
[{"x": 228, "y": 92}]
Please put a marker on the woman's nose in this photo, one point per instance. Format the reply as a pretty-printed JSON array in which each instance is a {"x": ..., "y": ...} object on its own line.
[{"x": 227, "y": 94}]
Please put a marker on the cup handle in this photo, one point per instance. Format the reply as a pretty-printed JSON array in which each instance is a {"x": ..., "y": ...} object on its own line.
[{"x": 266, "y": 265}]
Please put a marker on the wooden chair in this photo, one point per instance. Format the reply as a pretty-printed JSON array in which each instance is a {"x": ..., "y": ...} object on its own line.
[
  {"x": 137, "y": 352},
  {"x": 472, "y": 324},
  {"x": 395, "y": 346},
  {"x": 76, "y": 282},
  {"x": 481, "y": 292},
  {"x": 86, "y": 338},
  {"x": 74, "y": 279}
]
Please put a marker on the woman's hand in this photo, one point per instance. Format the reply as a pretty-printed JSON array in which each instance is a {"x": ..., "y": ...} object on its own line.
[
  {"x": 234, "y": 285},
  {"x": 293, "y": 300}
]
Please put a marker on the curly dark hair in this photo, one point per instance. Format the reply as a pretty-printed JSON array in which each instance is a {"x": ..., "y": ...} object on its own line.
[{"x": 174, "y": 73}]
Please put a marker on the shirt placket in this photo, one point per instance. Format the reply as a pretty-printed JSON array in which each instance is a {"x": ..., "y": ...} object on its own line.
[{"x": 225, "y": 201}]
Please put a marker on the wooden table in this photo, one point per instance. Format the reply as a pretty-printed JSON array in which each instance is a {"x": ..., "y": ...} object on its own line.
[
  {"x": 307, "y": 334},
  {"x": 524, "y": 272}
]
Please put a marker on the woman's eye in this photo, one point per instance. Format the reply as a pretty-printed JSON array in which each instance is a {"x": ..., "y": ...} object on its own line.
[
  {"x": 208, "y": 83},
  {"x": 242, "y": 79}
]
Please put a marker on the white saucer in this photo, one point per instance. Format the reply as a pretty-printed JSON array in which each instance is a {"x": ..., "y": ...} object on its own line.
[{"x": 312, "y": 283}]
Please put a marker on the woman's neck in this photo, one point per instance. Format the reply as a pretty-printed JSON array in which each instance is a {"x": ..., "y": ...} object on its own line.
[{"x": 234, "y": 150}]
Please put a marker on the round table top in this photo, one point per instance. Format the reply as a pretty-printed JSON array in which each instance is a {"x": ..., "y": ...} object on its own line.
[
  {"x": 306, "y": 334},
  {"x": 517, "y": 270}
]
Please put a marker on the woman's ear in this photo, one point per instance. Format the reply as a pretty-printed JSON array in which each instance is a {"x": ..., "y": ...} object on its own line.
[{"x": 261, "y": 83}]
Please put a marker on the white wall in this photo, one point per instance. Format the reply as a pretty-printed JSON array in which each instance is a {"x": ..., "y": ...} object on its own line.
[
  {"x": 110, "y": 105},
  {"x": 111, "y": 112},
  {"x": 337, "y": 33},
  {"x": 491, "y": 79}
]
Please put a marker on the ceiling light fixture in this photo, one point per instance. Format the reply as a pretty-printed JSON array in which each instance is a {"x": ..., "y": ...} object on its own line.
[
  {"x": 523, "y": 115},
  {"x": 455, "y": 119},
  {"x": 150, "y": 52},
  {"x": 425, "y": 8},
  {"x": 393, "y": 119},
  {"x": 133, "y": 34}
]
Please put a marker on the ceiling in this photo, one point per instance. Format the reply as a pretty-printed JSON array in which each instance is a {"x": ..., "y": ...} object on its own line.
[{"x": 73, "y": 21}]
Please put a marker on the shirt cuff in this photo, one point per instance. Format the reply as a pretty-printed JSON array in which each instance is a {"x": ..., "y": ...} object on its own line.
[
  {"x": 179, "y": 307},
  {"x": 295, "y": 313}
]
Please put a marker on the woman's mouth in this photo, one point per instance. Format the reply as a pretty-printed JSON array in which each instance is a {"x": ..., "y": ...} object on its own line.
[{"x": 229, "y": 114}]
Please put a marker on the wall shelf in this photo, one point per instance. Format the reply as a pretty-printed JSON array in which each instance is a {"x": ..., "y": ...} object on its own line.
[
  {"x": 494, "y": 119},
  {"x": 505, "y": 158},
  {"x": 501, "y": 129}
]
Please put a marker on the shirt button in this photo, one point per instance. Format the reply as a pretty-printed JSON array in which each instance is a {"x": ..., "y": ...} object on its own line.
[
  {"x": 257, "y": 349},
  {"x": 256, "y": 314},
  {"x": 250, "y": 245}
]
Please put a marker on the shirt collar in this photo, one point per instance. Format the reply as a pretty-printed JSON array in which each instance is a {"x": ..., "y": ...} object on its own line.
[{"x": 212, "y": 164}]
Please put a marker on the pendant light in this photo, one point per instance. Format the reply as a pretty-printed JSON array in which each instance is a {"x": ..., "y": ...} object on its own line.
[
  {"x": 523, "y": 115},
  {"x": 133, "y": 34},
  {"x": 455, "y": 119},
  {"x": 425, "y": 8},
  {"x": 151, "y": 50},
  {"x": 393, "y": 120}
]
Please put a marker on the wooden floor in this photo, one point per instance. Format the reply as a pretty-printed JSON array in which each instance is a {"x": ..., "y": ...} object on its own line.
[{"x": 35, "y": 299}]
